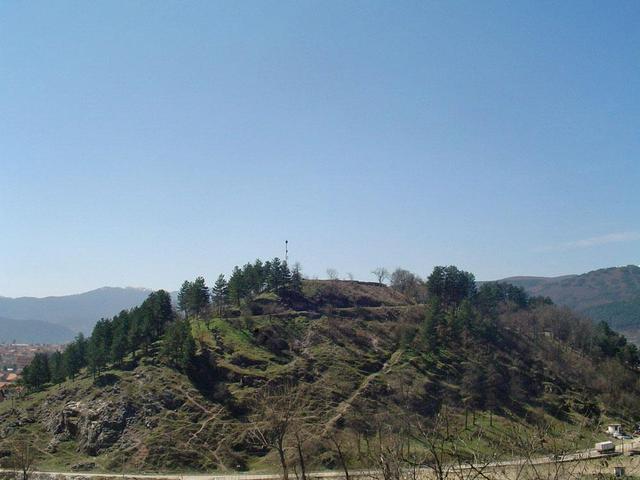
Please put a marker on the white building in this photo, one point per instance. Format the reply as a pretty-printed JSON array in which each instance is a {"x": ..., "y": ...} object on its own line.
[{"x": 614, "y": 428}]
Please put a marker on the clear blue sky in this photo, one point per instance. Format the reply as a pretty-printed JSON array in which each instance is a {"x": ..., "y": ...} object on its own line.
[{"x": 146, "y": 142}]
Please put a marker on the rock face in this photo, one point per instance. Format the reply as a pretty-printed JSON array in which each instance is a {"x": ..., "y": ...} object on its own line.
[
  {"x": 83, "y": 467},
  {"x": 96, "y": 427}
]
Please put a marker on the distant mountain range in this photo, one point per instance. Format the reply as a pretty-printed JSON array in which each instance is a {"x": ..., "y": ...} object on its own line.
[
  {"x": 609, "y": 294},
  {"x": 57, "y": 319},
  {"x": 33, "y": 331}
]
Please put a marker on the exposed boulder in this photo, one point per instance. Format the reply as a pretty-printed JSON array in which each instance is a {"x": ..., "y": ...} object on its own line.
[
  {"x": 83, "y": 467},
  {"x": 96, "y": 427}
]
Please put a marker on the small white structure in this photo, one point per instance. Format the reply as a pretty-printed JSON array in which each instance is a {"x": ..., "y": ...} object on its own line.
[
  {"x": 605, "y": 447},
  {"x": 614, "y": 428}
]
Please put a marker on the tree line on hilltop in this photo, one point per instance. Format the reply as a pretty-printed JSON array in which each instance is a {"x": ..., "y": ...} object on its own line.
[
  {"x": 454, "y": 301},
  {"x": 132, "y": 332},
  {"x": 245, "y": 282}
]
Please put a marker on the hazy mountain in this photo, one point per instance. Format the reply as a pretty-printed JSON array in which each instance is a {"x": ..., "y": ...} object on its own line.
[
  {"x": 609, "y": 294},
  {"x": 75, "y": 312},
  {"x": 33, "y": 331}
]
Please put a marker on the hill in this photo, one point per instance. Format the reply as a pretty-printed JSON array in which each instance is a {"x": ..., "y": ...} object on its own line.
[
  {"x": 33, "y": 331},
  {"x": 609, "y": 294},
  {"x": 336, "y": 373},
  {"x": 79, "y": 312}
]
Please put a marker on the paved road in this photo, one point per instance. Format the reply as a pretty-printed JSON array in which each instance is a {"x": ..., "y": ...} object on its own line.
[{"x": 580, "y": 455}]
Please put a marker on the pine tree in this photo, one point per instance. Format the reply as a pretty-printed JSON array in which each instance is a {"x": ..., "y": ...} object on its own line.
[
  {"x": 436, "y": 282},
  {"x": 160, "y": 312},
  {"x": 188, "y": 347},
  {"x": 72, "y": 360},
  {"x": 275, "y": 275},
  {"x": 37, "y": 373},
  {"x": 296, "y": 280},
  {"x": 183, "y": 297},
  {"x": 95, "y": 357},
  {"x": 285, "y": 278},
  {"x": 146, "y": 325},
  {"x": 178, "y": 345},
  {"x": 473, "y": 387},
  {"x": 120, "y": 343},
  {"x": 56, "y": 366},
  {"x": 236, "y": 286},
  {"x": 219, "y": 294},
  {"x": 199, "y": 297},
  {"x": 451, "y": 285},
  {"x": 497, "y": 387},
  {"x": 260, "y": 275},
  {"x": 75, "y": 356},
  {"x": 136, "y": 330},
  {"x": 434, "y": 319},
  {"x": 99, "y": 347},
  {"x": 81, "y": 343}
]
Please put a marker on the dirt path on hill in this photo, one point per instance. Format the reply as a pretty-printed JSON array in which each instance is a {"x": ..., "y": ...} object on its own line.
[{"x": 346, "y": 404}]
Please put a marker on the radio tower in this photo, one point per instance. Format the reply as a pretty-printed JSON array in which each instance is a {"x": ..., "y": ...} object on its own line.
[{"x": 286, "y": 251}]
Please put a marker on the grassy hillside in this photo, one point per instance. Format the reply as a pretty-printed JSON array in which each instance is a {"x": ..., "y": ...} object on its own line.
[{"x": 354, "y": 359}]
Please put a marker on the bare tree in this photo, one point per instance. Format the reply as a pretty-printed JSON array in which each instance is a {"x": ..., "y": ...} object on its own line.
[
  {"x": 408, "y": 284},
  {"x": 22, "y": 458},
  {"x": 332, "y": 274},
  {"x": 300, "y": 441},
  {"x": 404, "y": 449},
  {"x": 436, "y": 442},
  {"x": 298, "y": 267},
  {"x": 386, "y": 448},
  {"x": 381, "y": 274},
  {"x": 284, "y": 421},
  {"x": 469, "y": 463},
  {"x": 545, "y": 454},
  {"x": 388, "y": 454},
  {"x": 337, "y": 444},
  {"x": 413, "y": 448}
]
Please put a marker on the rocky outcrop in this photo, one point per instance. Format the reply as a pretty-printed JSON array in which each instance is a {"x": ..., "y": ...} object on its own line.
[
  {"x": 96, "y": 427},
  {"x": 83, "y": 467},
  {"x": 12, "y": 420}
]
